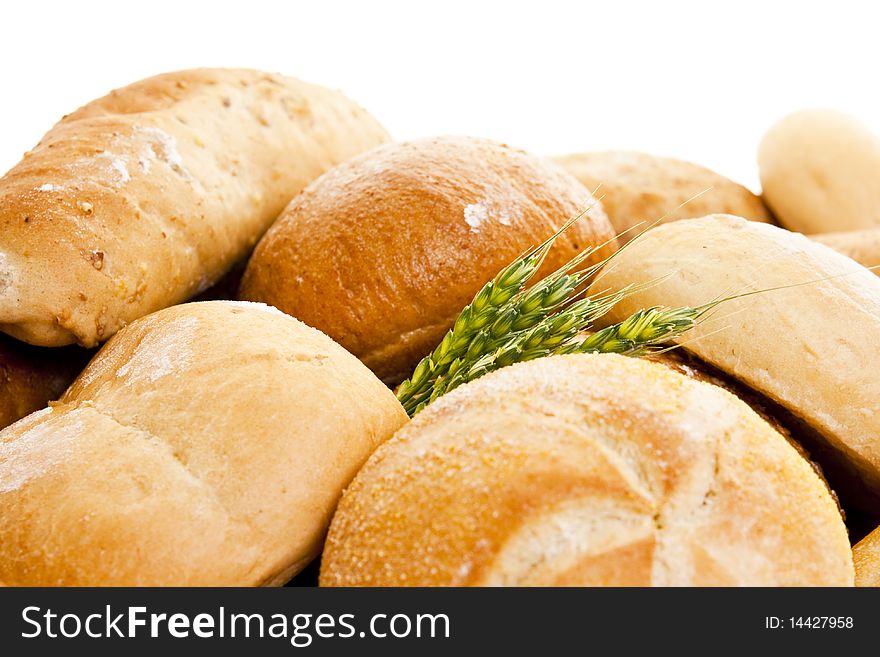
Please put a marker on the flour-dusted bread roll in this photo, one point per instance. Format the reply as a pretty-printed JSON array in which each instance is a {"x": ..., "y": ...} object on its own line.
[
  {"x": 206, "y": 444},
  {"x": 145, "y": 197},
  {"x": 587, "y": 470},
  {"x": 31, "y": 377},
  {"x": 640, "y": 188},
  {"x": 863, "y": 246},
  {"x": 812, "y": 348},
  {"x": 866, "y": 555},
  {"x": 383, "y": 252},
  {"x": 819, "y": 171}
]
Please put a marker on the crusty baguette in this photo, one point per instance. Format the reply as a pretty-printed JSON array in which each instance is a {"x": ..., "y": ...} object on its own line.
[
  {"x": 641, "y": 188},
  {"x": 812, "y": 349},
  {"x": 866, "y": 555},
  {"x": 863, "y": 246},
  {"x": 206, "y": 444},
  {"x": 383, "y": 251},
  {"x": 819, "y": 171},
  {"x": 145, "y": 197},
  {"x": 587, "y": 470},
  {"x": 31, "y": 377}
]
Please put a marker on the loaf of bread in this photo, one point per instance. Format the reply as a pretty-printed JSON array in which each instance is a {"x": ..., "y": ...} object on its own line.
[
  {"x": 640, "y": 188},
  {"x": 31, "y": 377},
  {"x": 819, "y": 171},
  {"x": 587, "y": 470},
  {"x": 206, "y": 444},
  {"x": 383, "y": 251},
  {"x": 812, "y": 348},
  {"x": 143, "y": 198},
  {"x": 866, "y": 555},
  {"x": 863, "y": 246}
]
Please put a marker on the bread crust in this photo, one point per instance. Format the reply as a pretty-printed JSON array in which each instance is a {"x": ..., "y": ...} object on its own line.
[
  {"x": 812, "y": 348},
  {"x": 863, "y": 246},
  {"x": 31, "y": 377},
  {"x": 638, "y": 187},
  {"x": 145, "y": 197},
  {"x": 587, "y": 470},
  {"x": 383, "y": 251},
  {"x": 866, "y": 555},
  {"x": 206, "y": 444}
]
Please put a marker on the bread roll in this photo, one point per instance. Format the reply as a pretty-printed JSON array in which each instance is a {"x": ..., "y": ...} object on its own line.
[
  {"x": 31, "y": 377},
  {"x": 866, "y": 555},
  {"x": 812, "y": 349},
  {"x": 587, "y": 470},
  {"x": 819, "y": 170},
  {"x": 383, "y": 252},
  {"x": 637, "y": 187},
  {"x": 145, "y": 197},
  {"x": 863, "y": 246},
  {"x": 206, "y": 444}
]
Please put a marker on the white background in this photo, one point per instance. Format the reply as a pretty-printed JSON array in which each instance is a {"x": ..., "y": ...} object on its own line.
[{"x": 696, "y": 80}]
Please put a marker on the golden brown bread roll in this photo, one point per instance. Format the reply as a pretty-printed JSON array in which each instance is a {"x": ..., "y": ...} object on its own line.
[
  {"x": 819, "y": 171},
  {"x": 863, "y": 246},
  {"x": 30, "y": 377},
  {"x": 812, "y": 349},
  {"x": 383, "y": 251},
  {"x": 145, "y": 197},
  {"x": 206, "y": 444},
  {"x": 637, "y": 187},
  {"x": 866, "y": 555},
  {"x": 587, "y": 470}
]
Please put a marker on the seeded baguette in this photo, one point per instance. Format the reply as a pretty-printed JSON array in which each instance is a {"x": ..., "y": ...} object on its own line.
[{"x": 145, "y": 197}]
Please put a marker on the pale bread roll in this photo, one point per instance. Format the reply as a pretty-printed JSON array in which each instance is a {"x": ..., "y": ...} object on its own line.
[
  {"x": 866, "y": 555},
  {"x": 587, "y": 470},
  {"x": 820, "y": 171},
  {"x": 812, "y": 348},
  {"x": 145, "y": 197},
  {"x": 641, "y": 188},
  {"x": 863, "y": 246},
  {"x": 206, "y": 444},
  {"x": 383, "y": 251}
]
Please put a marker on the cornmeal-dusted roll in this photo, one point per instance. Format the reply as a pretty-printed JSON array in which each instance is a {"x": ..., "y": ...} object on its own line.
[
  {"x": 637, "y": 187},
  {"x": 812, "y": 349},
  {"x": 206, "y": 444},
  {"x": 145, "y": 197},
  {"x": 31, "y": 377},
  {"x": 383, "y": 251},
  {"x": 863, "y": 246},
  {"x": 866, "y": 555},
  {"x": 587, "y": 470},
  {"x": 819, "y": 171}
]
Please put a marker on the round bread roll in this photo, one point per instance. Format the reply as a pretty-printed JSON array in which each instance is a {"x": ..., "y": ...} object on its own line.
[
  {"x": 30, "y": 377},
  {"x": 866, "y": 555},
  {"x": 863, "y": 246},
  {"x": 147, "y": 196},
  {"x": 812, "y": 348},
  {"x": 587, "y": 470},
  {"x": 819, "y": 171},
  {"x": 383, "y": 251},
  {"x": 206, "y": 444},
  {"x": 637, "y": 187}
]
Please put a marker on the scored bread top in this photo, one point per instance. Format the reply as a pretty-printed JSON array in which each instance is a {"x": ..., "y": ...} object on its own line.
[
  {"x": 206, "y": 444},
  {"x": 587, "y": 470},
  {"x": 145, "y": 197},
  {"x": 383, "y": 251},
  {"x": 811, "y": 348}
]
